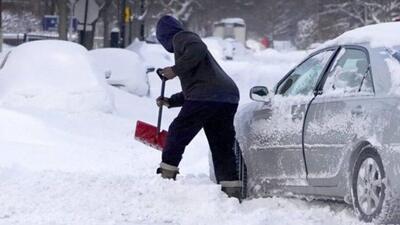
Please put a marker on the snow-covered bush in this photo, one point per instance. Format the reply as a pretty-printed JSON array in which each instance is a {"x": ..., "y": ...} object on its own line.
[
  {"x": 122, "y": 68},
  {"x": 54, "y": 75}
]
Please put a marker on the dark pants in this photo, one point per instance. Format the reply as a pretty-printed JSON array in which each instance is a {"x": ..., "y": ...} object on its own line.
[{"x": 217, "y": 120}]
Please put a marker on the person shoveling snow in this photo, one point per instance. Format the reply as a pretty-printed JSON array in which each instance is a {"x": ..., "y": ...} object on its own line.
[{"x": 209, "y": 100}]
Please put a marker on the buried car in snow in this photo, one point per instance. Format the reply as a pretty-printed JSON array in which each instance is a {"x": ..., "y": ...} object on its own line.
[{"x": 331, "y": 127}]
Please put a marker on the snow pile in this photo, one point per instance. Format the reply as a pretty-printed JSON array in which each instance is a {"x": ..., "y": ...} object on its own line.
[
  {"x": 216, "y": 47},
  {"x": 52, "y": 75},
  {"x": 153, "y": 55},
  {"x": 14, "y": 125},
  {"x": 378, "y": 35},
  {"x": 96, "y": 199},
  {"x": 121, "y": 67}
]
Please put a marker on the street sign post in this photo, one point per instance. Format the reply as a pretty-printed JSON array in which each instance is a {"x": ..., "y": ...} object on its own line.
[
  {"x": 86, "y": 12},
  {"x": 50, "y": 23}
]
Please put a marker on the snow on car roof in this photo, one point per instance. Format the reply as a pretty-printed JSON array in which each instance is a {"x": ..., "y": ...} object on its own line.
[
  {"x": 377, "y": 35},
  {"x": 232, "y": 21}
]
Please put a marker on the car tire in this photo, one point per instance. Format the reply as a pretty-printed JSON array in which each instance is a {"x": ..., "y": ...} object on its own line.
[
  {"x": 371, "y": 199},
  {"x": 242, "y": 169}
]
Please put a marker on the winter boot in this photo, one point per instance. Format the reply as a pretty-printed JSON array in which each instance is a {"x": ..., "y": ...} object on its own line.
[
  {"x": 232, "y": 189},
  {"x": 167, "y": 171}
]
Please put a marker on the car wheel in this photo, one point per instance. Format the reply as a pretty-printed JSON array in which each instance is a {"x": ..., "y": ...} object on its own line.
[
  {"x": 242, "y": 169},
  {"x": 370, "y": 198}
]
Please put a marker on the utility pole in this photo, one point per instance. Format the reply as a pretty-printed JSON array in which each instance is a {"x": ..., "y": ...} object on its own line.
[
  {"x": 83, "y": 40},
  {"x": 142, "y": 11},
  {"x": 122, "y": 22}
]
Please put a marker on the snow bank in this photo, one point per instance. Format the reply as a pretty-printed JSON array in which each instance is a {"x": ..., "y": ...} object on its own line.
[
  {"x": 52, "y": 75},
  {"x": 121, "y": 67},
  {"x": 378, "y": 35},
  {"x": 153, "y": 55},
  {"x": 216, "y": 47}
]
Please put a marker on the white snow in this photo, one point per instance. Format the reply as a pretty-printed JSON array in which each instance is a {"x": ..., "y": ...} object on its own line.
[
  {"x": 65, "y": 166},
  {"x": 121, "y": 67},
  {"x": 53, "y": 75},
  {"x": 378, "y": 35}
]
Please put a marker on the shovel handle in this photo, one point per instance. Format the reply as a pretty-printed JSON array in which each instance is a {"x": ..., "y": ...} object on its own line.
[{"x": 163, "y": 80}]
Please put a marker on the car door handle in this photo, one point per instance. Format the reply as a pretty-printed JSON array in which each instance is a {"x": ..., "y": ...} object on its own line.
[{"x": 357, "y": 111}]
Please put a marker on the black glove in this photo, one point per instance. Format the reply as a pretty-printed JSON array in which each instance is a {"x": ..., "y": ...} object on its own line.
[
  {"x": 168, "y": 73},
  {"x": 163, "y": 101}
]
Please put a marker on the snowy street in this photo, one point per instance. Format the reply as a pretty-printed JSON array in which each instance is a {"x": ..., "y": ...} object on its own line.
[
  {"x": 199, "y": 112},
  {"x": 78, "y": 166}
]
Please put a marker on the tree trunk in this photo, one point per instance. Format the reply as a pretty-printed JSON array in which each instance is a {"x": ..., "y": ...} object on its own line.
[
  {"x": 62, "y": 9},
  {"x": 107, "y": 18},
  {"x": 49, "y": 7}
]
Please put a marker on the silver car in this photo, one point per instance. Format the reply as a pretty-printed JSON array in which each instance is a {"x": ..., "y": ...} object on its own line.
[{"x": 330, "y": 129}]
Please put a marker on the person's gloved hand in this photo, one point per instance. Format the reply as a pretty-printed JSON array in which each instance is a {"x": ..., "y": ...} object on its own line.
[
  {"x": 168, "y": 73},
  {"x": 162, "y": 101}
]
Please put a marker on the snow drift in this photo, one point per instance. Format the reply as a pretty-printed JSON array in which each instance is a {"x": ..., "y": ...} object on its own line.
[{"x": 52, "y": 75}]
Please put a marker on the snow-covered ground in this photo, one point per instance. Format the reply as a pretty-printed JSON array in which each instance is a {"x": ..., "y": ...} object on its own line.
[{"x": 80, "y": 164}]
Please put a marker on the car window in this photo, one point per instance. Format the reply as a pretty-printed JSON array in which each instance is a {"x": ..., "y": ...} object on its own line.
[
  {"x": 304, "y": 78},
  {"x": 350, "y": 73}
]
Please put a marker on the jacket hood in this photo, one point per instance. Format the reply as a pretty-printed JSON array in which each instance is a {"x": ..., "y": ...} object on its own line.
[{"x": 167, "y": 27}]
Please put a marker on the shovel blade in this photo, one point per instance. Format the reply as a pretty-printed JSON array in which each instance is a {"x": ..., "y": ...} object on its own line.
[{"x": 147, "y": 134}]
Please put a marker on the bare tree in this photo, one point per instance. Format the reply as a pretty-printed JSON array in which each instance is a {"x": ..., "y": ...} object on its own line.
[
  {"x": 180, "y": 9},
  {"x": 365, "y": 12}
]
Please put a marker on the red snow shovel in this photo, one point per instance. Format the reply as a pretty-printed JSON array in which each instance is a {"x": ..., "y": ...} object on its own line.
[{"x": 149, "y": 134}]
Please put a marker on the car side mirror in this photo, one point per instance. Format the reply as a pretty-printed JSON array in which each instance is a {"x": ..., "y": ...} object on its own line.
[{"x": 259, "y": 94}]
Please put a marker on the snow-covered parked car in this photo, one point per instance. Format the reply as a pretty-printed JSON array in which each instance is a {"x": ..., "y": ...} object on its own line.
[
  {"x": 330, "y": 129},
  {"x": 52, "y": 75},
  {"x": 121, "y": 68}
]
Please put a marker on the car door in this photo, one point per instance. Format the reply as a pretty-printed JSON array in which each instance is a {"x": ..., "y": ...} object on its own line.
[
  {"x": 338, "y": 115},
  {"x": 276, "y": 128}
]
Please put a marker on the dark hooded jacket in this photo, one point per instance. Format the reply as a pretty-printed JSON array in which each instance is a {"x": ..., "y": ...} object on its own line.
[{"x": 202, "y": 79}]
